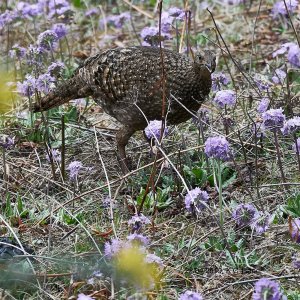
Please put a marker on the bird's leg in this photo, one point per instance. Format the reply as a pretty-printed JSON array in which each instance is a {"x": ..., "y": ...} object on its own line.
[{"x": 122, "y": 137}]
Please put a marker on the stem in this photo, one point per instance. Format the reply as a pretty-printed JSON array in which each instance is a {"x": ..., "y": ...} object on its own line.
[
  {"x": 220, "y": 191},
  {"x": 278, "y": 155},
  {"x": 297, "y": 151}
]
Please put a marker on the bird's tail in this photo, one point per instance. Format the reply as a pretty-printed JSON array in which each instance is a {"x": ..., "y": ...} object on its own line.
[{"x": 69, "y": 90}]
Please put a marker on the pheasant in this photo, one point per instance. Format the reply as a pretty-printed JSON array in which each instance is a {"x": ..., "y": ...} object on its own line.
[{"x": 128, "y": 84}]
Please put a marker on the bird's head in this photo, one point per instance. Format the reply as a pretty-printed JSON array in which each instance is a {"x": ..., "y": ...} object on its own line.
[{"x": 207, "y": 58}]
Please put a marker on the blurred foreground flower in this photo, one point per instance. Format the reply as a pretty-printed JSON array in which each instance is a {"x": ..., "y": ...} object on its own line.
[
  {"x": 190, "y": 295},
  {"x": 196, "y": 199},
  {"x": 293, "y": 53},
  {"x": 217, "y": 147},
  {"x": 225, "y": 97},
  {"x": 244, "y": 214},
  {"x": 266, "y": 289}
]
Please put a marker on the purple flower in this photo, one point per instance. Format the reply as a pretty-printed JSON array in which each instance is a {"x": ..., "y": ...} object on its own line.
[
  {"x": 58, "y": 7},
  {"x": 297, "y": 147},
  {"x": 43, "y": 83},
  {"x": 7, "y": 17},
  {"x": 6, "y": 141},
  {"x": 116, "y": 20},
  {"x": 47, "y": 39},
  {"x": 60, "y": 29},
  {"x": 296, "y": 260},
  {"x": 56, "y": 155},
  {"x": 91, "y": 12},
  {"x": 280, "y": 9},
  {"x": 217, "y": 147},
  {"x": 17, "y": 51},
  {"x": 261, "y": 223},
  {"x": 154, "y": 259},
  {"x": 291, "y": 126},
  {"x": 82, "y": 296},
  {"x": 295, "y": 230},
  {"x": 225, "y": 97},
  {"x": 273, "y": 118},
  {"x": 150, "y": 35},
  {"x": 138, "y": 220},
  {"x": 190, "y": 295},
  {"x": 219, "y": 79},
  {"x": 153, "y": 130},
  {"x": 74, "y": 168},
  {"x": 294, "y": 55},
  {"x": 266, "y": 289},
  {"x": 279, "y": 76},
  {"x": 135, "y": 237},
  {"x": 27, "y": 87},
  {"x": 261, "y": 82},
  {"x": 56, "y": 68},
  {"x": 283, "y": 49},
  {"x": 34, "y": 55},
  {"x": 244, "y": 214},
  {"x": 27, "y": 10},
  {"x": 195, "y": 199},
  {"x": 112, "y": 248},
  {"x": 177, "y": 13},
  {"x": 263, "y": 105}
]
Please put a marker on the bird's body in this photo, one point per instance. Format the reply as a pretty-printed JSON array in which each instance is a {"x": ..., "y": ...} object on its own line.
[{"x": 128, "y": 84}]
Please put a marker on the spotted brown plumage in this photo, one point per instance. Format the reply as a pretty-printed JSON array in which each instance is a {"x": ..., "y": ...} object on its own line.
[{"x": 127, "y": 83}]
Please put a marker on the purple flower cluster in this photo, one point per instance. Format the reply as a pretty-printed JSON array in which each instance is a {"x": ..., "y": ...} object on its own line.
[
  {"x": 7, "y": 17},
  {"x": 150, "y": 35},
  {"x": 273, "y": 118},
  {"x": 27, "y": 87},
  {"x": 262, "y": 82},
  {"x": 56, "y": 7},
  {"x": 6, "y": 141},
  {"x": 267, "y": 289},
  {"x": 190, "y": 295},
  {"x": 196, "y": 199},
  {"x": 138, "y": 238},
  {"x": 74, "y": 168},
  {"x": 112, "y": 248},
  {"x": 217, "y": 147},
  {"x": 293, "y": 53},
  {"x": 219, "y": 80},
  {"x": 245, "y": 214},
  {"x": 56, "y": 155},
  {"x": 263, "y": 105},
  {"x": 295, "y": 230},
  {"x": 47, "y": 40},
  {"x": 116, "y": 20},
  {"x": 56, "y": 68},
  {"x": 152, "y": 258},
  {"x": 17, "y": 52},
  {"x": 153, "y": 130},
  {"x": 137, "y": 221},
  {"x": 42, "y": 84},
  {"x": 279, "y": 8},
  {"x": 27, "y": 10},
  {"x": 225, "y": 97},
  {"x": 291, "y": 126},
  {"x": 279, "y": 76},
  {"x": 60, "y": 29},
  {"x": 261, "y": 223}
]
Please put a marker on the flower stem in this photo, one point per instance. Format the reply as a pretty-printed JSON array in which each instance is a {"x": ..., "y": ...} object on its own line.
[
  {"x": 297, "y": 151},
  {"x": 220, "y": 191},
  {"x": 278, "y": 156}
]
